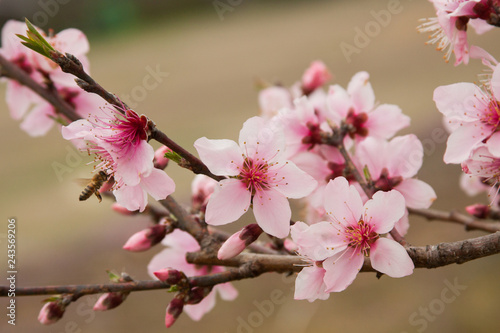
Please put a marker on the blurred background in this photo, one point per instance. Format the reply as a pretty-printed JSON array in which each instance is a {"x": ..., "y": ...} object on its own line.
[{"x": 213, "y": 52}]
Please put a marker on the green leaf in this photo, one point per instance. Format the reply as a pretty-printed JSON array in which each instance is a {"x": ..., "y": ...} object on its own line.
[
  {"x": 35, "y": 41},
  {"x": 113, "y": 277},
  {"x": 173, "y": 156}
]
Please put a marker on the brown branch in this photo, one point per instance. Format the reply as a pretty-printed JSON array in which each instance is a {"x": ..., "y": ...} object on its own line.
[
  {"x": 469, "y": 222},
  {"x": 13, "y": 72}
]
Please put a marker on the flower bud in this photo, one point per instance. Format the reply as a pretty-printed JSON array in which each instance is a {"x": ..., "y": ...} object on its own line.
[
  {"x": 197, "y": 294},
  {"x": 51, "y": 312},
  {"x": 314, "y": 77},
  {"x": 169, "y": 275},
  {"x": 110, "y": 301},
  {"x": 174, "y": 310},
  {"x": 290, "y": 245},
  {"x": 235, "y": 244},
  {"x": 144, "y": 239},
  {"x": 160, "y": 161},
  {"x": 478, "y": 210}
]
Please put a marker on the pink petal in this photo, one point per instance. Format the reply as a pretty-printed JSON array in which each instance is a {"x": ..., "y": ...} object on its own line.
[
  {"x": 273, "y": 99},
  {"x": 418, "y": 194},
  {"x": 181, "y": 240},
  {"x": 317, "y": 241},
  {"x": 228, "y": 203},
  {"x": 461, "y": 141},
  {"x": 260, "y": 140},
  {"x": 227, "y": 291},
  {"x": 372, "y": 152},
  {"x": 222, "y": 157},
  {"x": 342, "y": 269},
  {"x": 38, "y": 122},
  {"x": 390, "y": 258},
  {"x": 405, "y": 156},
  {"x": 135, "y": 163},
  {"x": 73, "y": 41},
  {"x": 312, "y": 164},
  {"x": 457, "y": 100},
  {"x": 293, "y": 182},
  {"x": 361, "y": 92},
  {"x": 309, "y": 284},
  {"x": 131, "y": 197},
  {"x": 158, "y": 184},
  {"x": 495, "y": 82},
  {"x": 342, "y": 202},
  {"x": 19, "y": 99},
  {"x": 272, "y": 212},
  {"x": 480, "y": 26},
  {"x": 384, "y": 210},
  {"x": 386, "y": 120},
  {"x": 338, "y": 104},
  {"x": 493, "y": 144}
]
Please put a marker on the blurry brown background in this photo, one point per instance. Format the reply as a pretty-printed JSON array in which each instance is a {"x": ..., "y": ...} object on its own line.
[{"x": 212, "y": 66}]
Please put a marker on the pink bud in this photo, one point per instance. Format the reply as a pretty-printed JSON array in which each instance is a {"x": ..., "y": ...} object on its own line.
[
  {"x": 160, "y": 161},
  {"x": 290, "y": 245},
  {"x": 197, "y": 294},
  {"x": 51, "y": 312},
  {"x": 315, "y": 76},
  {"x": 478, "y": 210},
  {"x": 144, "y": 239},
  {"x": 122, "y": 210},
  {"x": 109, "y": 301},
  {"x": 235, "y": 244},
  {"x": 174, "y": 310},
  {"x": 168, "y": 275}
]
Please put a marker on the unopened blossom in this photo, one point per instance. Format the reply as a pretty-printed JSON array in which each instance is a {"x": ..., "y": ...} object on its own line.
[
  {"x": 202, "y": 188},
  {"x": 393, "y": 164},
  {"x": 119, "y": 143},
  {"x": 145, "y": 239},
  {"x": 356, "y": 108},
  {"x": 178, "y": 243},
  {"x": 238, "y": 241},
  {"x": 51, "y": 312},
  {"x": 258, "y": 175},
  {"x": 315, "y": 76},
  {"x": 474, "y": 114},
  {"x": 110, "y": 301},
  {"x": 160, "y": 161},
  {"x": 353, "y": 233},
  {"x": 449, "y": 29}
]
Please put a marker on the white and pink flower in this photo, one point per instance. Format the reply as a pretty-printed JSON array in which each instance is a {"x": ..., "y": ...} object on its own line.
[
  {"x": 258, "y": 175},
  {"x": 353, "y": 233}
]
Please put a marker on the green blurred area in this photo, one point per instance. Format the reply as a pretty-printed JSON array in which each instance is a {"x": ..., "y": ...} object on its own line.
[{"x": 212, "y": 65}]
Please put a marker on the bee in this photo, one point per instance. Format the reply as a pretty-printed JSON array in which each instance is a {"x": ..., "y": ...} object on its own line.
[{"x": 94, "y": 185}]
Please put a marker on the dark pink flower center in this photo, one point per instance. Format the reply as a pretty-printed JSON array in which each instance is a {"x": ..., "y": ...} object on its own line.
[
  {"x": 23, "y": 63},
  {"x": 386, "y": 183},
  {"x": 491, "y": 116},
  {"x": 254, "y": 174},
  {"x": 356, "y": 123},
  {"x": 361, "y": 236},
  {"x": 130, "y": 129},
  {"x": 313, "y": 137}
]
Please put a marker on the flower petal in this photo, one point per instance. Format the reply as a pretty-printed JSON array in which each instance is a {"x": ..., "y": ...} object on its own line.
[
  {"x": 361, "y": 92},
  {"x": 462, "y": 140},
  {"x": 309, "y": 284},
  {"x": 222, "y": 157},
  {"x": 262, "y": 140},
  {"x": 341, "y": 269},
  {"x": 272, "y": 212},
  {"x": 158, "y": 184},
  {"x": 317, "y": 241},
  {"x": 342, "y": 202},
  {"x": 291, "y": 181},
  {"x": 229, "y": 201},
  {"x": 389, "y": 257},
  {"x": 418, "y": 194},
  {"x": 384, "y": 210}
]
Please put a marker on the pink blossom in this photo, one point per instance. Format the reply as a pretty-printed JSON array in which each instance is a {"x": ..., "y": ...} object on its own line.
[
  {"x": 178, "y": 243},
  {"x": 20, "y": 99},
  {"x": 392, "y": 164},
  {"x": 119, "y": 142},
  {"x": 51, "y": 312},
  {"x": 356, "y": 107},
  {"x": 202, "y": 188},
  {"x": 258, "y": 173},
  {"x": 449, "y": 29},
  {"x": 353, "y": 233},
  {"x": 315, "y": 76},
  {"x": 474, "y": 114}
]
